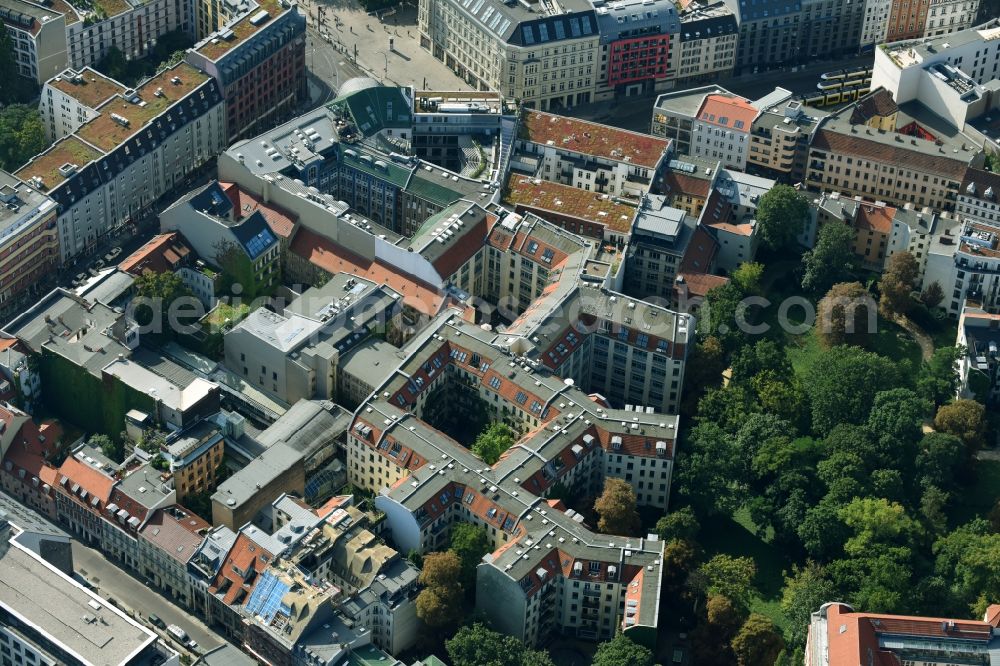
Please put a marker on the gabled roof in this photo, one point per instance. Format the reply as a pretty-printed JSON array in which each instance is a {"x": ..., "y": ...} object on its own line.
[
  {"x": 75, "y": 472},
  {"x": 727, "y": 111},
  {"x": 246, "y": 203},
  {"x": 877, "y": 103},
  {"x": 160, "y": 254},
  {"x": 175, "y": 531}
]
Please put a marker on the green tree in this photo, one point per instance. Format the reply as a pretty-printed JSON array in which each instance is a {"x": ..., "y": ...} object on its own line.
[
  {"x": 938, "y": 378},
  {"x": 706, "y": 365},
  {"x": 616, "y": 508},
  {"x": 22, "y": 135},
  {"x": 478, "y": 645},
  {"x": 681, "y": 524},
  {"x": 113, "y": 449},
  {"x": 846, "y": 315},
  {"x": 718, "y": 316},
  {"x": 708, "y": 470},
  {"x": 969, "y": 559},
  {"x": 842, "y": 384},
  {"x": 939, "y": 459},
  {"x": 470, "y": 542},
  {"x": 897, "y": 283},
  {"x": 806, "y": 589},
  {"x": 15, "y": 88},
  {"x": 114, "y": 65},
  {"x": 622, "y": 650},
  {"x": 492, "y": 442},
  {"x": 781, "y": 215},
  {"x": 160, "y": 307},
  {"x": 747, "y": 277},
  {"x": 758, "y": 642},
  {"x": 879, "y": 581},
  {"x": 439, "y": 604},
  {"x": 732, "y": 577},
  {"x": 965, "y": 419},
  {"x": 763, "y": 356},
  {"x": 932, "y": 295},
  {"x": 831, "y": 260},
  {"x": 877, "y": 523}
]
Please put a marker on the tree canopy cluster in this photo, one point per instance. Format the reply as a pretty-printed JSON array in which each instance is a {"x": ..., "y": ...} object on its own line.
[
  {"x": 849, "y": 466},
  {"x": 22, "y": 135}
]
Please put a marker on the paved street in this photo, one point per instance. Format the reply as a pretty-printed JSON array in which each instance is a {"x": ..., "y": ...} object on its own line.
[
  {"x": 110, "y": 581},
  {"x": 359, "y": 45}
]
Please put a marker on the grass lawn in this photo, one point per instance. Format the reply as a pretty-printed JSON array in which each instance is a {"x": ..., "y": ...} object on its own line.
[
  {"x": 890, "y": 341},
  {"x": 942, "y": 329},
  {"x": 223, "y": 311},
  {"x": 977, "y": 500},
  {"x": 735, "y": 536}
]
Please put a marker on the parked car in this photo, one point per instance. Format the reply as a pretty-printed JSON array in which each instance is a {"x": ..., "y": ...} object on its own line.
[
  {"x": 192, "y": 645},
  {"x": 156, "y": 621},
  {"x": 178, "y": 633}
]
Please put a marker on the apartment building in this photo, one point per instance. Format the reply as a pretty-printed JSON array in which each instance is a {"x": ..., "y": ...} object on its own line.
[
  {"x": 211, "y": 15},
  {"x": 29, "y": 242},
  {"x": 721, "y": 130},
  {"x": 580, "y": 211},
  {"x": 979, "y": 197},
  {"x": 979, "y": 368},
  {"x": 906, "y": 157},
  {"x": 946, "y": 16},
  {"x": 167, "y": 542},
  {"x": 587, "y": 155},
  {"x": 708, "y": 37},
  {"x": 392, "y": 442},
  {"x": 139, "y": 146},
  {"x": 965, "y": 261},
  {"x": 194, "y": 455},
  {"x": 38, "y": 36},
  {"x": 839, "y": 634},
  {"x": 830, "y": 28},
  {"x": 242, "y": 245},
  {"x": 687, "y": 183},
  {"x": 674, "y": 115},
  {"x": 131, "y": 26},
  {"x": 779, "y": 141},
  {"x": 769, "y": 33},
  {"x": 660, "y": 237},
  {"x": 25, "y": 473},
  {"x": 875, "y": 25},
  {"x": 72, "y": 98},
  {"x": 258, "y": 62},
  {"x": 907, "y": 19}
]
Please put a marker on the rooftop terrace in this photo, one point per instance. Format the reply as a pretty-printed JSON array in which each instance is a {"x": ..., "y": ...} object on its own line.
[{"x": 589, "y": 138}]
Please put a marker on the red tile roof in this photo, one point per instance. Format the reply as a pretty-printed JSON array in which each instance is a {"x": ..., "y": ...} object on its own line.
[
  {"x": 177, "y": 532},
  {"x": 875, "y": 218},
  {"x": 853, "y": 636},
  {"x": 588, "y": 138},
  {"x": 161, "y": 254},
  {"x": 676, "y": 183},
  {"x": 246, "y": 203},
  {"x": 700, "y": 253},
  {"x": 324, "y": 253},
  {"x": 245, "y": 555},
  {"x": 733, "y": 113},
  {"x": 28, "y": 452},
  {"x": 896, "y": 155},
  {"x": 94, "y": 481}
]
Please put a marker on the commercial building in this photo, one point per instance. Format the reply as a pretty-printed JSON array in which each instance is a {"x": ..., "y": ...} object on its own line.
[
  {"x": 258, "y": 62},
  {"x": 830, "y": 29},
  {"x": 721, "y": 130},
  {"x": 769, "y": 33},
  {"x": 38, "y": 36},
  {"x": 48, "y": 618},
  {"x": 674, "y": 115},
  {"x": 29, "y": 242},
  {"x": 113, "y": 166},
  {"x": 947, "y": 16},
  {"x": 838, "y": 634},
  {"x": 708, "y": 38},
  {"x": 238, "y": 500},
  {"x": 587, "y": 155},
  {"x": 951, "y": 75},
  {"x": 555, "y": 56}
]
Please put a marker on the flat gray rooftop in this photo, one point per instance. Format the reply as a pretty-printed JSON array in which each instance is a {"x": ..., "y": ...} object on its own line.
[{"x": 67, "y": 613}]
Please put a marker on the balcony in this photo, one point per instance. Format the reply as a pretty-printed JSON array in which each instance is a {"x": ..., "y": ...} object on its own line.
[{"x": 592, "y": 593}]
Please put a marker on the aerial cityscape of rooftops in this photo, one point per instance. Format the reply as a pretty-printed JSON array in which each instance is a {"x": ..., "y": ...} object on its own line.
[{"x": 500, "y": 332}]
